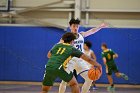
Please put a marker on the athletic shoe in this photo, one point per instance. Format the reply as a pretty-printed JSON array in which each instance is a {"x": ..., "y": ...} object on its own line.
[
  {"x": 94, "y": 88},
  {"x": 124, "y": 76},
  {"x": 110, "y": 88}
]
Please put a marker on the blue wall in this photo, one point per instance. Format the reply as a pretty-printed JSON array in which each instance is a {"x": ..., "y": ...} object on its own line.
[{"x": 23, "y": 51}]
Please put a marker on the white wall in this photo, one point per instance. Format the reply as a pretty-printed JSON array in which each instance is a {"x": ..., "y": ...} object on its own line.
[
  {"x": 31, "y": 3},
  {"x": 94, "y": 4},
  {"x": 115, "y": 4}
]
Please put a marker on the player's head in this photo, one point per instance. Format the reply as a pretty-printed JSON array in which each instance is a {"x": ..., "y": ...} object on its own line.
[
  {"x": 74, "y": 25},
  {"x": 68, "y": 37},
  {"x": 87, "y": 45},
  {"x": 104, "y": 46}
]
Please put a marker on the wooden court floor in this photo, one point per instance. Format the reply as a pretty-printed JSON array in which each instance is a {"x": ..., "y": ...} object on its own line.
[{"x": 37, "y": 88}]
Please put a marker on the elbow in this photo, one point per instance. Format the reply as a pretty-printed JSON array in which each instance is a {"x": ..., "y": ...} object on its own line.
[
  {"x": 104, "y": 62},
  {"x": 48, "y": 56}
]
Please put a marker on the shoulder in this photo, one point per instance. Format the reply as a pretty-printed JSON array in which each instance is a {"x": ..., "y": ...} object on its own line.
[
  {"x": 102, "y": 53},
  {"x": 91, "y": 51},
  {"x": 58, "y": 45},
  {"x": 73, "y": 48},
  {"x": 110, "y": 50},
  {"x": 81, "y": 33}
]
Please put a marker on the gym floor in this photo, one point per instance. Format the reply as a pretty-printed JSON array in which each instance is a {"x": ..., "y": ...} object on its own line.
[{"x": 22, "y": 88}]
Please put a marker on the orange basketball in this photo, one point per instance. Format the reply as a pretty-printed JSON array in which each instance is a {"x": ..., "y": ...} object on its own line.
[{"x": 94, "y": 74}]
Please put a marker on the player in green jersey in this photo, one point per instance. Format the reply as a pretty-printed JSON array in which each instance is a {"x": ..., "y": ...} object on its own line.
[
  {"x": 59, "y": 56},
  {"x": 108, "y": 58}
]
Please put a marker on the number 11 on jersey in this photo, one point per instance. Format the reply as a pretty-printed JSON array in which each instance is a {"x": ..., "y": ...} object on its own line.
[{"x": 61, "y": 51}]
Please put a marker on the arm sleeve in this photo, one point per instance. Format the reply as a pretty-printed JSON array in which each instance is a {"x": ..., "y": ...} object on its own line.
[
  {"x": 53, "y": 48},
  {"x": 103, "y": 55},
  {"x": 76, "y": 53}
]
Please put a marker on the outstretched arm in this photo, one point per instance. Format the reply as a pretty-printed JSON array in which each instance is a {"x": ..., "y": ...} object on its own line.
[
  {"x": 90, "y": 61},
  {"x": 115, "y": 56},
  {"x": 93, "y": 30}
]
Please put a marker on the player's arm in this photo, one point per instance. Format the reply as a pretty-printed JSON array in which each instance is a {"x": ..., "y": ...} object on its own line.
[
  {"x": 49, "y": 54},
  {"x": 115, "y": 56},
  {"x": 104, "y": 60},
  {"x": 93, "y": 56},
  {"x": 90, "y": 61},
  {"x": 93, "y": 30},
  {"x": 79, "y": 54}
]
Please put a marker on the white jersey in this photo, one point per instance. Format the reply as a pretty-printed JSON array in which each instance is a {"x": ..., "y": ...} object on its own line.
[
  {"x": 79, "y": 42},
  {"x": 88, "y": 53}
]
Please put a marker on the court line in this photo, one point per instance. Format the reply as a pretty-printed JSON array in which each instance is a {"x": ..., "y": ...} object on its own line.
[{"x": 57, "y": 84}]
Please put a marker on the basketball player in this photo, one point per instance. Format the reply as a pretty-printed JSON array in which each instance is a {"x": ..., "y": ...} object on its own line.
[
  {"x": 76, "y": 63},
  {"x": 108, "y": 58},
  {"x": 59, "y": 57},
  {"x": 90, "y": 53}
]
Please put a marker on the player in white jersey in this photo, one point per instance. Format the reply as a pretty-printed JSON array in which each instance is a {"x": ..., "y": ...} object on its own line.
[
  {"x": 76, "y": 63},
  {"x": 90, "y": 53}
]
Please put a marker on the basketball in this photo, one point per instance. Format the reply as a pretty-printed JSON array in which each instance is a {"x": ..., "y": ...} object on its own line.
[{"x": 94, "y": 74}]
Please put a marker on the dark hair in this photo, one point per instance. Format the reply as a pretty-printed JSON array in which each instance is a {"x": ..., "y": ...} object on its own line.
[
  {"x": 88, "y": 43},
  {"x": 74, "y": 21},
  {"x": 104, "y": 45},
  {"x": 68, "y": 37}
]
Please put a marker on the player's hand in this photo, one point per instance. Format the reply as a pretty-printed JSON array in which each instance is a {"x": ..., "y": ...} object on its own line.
[
  {"x": 104, "y": 25},
  {"x": 92, "y": 67},
  {"x": 99, "y": 67},
  {"x": 115, "y": 56}
]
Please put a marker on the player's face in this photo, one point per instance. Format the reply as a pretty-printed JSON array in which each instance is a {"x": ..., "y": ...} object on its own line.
[
  {"x": 74, "y": 28},
  {"x": 103, "y": 48},
  {"x": 85, "y": 47}
]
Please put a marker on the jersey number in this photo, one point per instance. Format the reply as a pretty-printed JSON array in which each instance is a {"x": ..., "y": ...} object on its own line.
[
  {"x": 79, "y": 47},
  {"x": 61, "y": 50},
  {"x": 109, "y": 56}
]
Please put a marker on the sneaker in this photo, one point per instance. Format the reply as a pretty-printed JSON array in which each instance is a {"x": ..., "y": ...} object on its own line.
[
  {"x": 110, "y": 88},
  {"x": 94, "y": 88},
  {"x": 124, "y": 76}
]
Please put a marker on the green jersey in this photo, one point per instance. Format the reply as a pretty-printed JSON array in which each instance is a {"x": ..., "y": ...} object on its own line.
[
  {"x": 109, "y": 56},
  {"x": 61, "y": 54}
]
